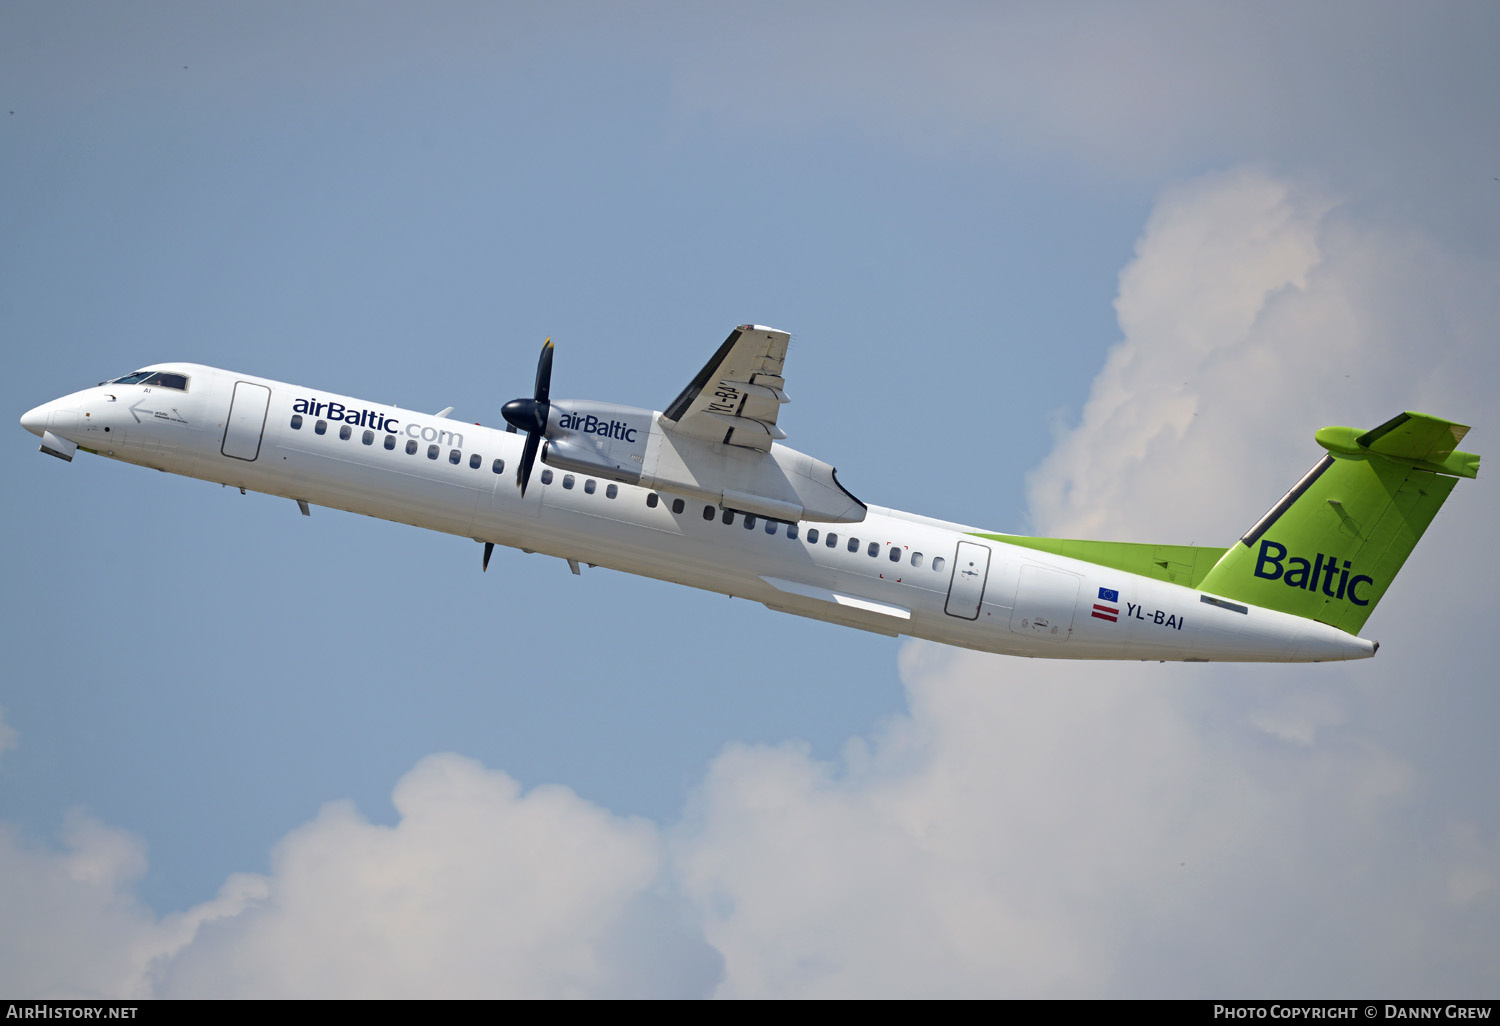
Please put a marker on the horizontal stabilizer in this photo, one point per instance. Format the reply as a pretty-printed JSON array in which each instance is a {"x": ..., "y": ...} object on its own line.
[{"x": 1427, "y": 442}]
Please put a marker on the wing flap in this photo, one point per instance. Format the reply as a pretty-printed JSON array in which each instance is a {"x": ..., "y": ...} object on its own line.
[{"x": 751, "y": 426}]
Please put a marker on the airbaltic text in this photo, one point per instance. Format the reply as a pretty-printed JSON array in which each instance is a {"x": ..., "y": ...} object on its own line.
[
  {"x": 592, "y": 425},
  {"x": 338, "y": 411},
  {"x": 375, "y": 419},
  {"x": 1299, "y": 573}
]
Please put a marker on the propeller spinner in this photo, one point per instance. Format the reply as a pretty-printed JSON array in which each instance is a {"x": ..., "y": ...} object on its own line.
[{"x": 530, "y": 415}]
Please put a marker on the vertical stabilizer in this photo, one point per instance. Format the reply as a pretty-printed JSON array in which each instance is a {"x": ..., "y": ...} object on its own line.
[{"x": 1331, "y": 547}]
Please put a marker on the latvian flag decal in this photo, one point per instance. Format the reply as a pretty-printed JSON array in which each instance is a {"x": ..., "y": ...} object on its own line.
[{"x": 1108, "y": 606}]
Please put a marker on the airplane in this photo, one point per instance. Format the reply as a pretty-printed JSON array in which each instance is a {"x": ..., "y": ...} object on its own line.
[{"x": 704, "y": 494}]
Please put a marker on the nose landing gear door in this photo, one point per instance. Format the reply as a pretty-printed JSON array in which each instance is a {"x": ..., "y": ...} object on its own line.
[{"x": 970, "y": 569}]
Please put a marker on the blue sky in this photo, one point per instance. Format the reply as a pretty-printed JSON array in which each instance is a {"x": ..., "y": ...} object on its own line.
[{"x": 1069, "y": 269}]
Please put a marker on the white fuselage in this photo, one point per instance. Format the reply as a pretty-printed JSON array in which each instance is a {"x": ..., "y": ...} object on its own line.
[{"x": 892, "y": 573}]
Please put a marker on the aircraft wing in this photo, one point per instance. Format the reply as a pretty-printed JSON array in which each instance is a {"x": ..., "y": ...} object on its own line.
[{"x": 736, "y": 396}]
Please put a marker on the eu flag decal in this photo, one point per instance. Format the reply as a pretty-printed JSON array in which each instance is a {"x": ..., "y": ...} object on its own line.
[{"x": 1108, "y": 606}]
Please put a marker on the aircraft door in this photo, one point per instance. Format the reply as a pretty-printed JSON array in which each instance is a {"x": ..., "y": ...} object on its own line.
[
  {"x": 247, "y": 420},
  {"x": 1046, "y": 600},
  {"x": 971, "y": 567}
]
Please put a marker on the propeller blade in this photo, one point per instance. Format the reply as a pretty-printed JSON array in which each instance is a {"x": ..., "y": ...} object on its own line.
[
  {"x": 544, "y": 373},
  {"x": 528, "y": 457},
  {"x": 489, "y": 549},
  {"x": 530, "y": 415}
]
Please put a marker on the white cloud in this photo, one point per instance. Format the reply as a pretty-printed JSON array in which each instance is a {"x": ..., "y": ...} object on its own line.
[
  {"x": 1255, "y": 312},
  {"x": 73, "y": 926},
  {"x": 478, "y": 891},
  {"x": 1298, "y": 718},
  {"x": 1194, "y": 376},
  {"x": 1048, "y": 830}
]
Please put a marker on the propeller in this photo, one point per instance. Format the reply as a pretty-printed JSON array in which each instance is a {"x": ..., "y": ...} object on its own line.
[{"x": 530, "y": 415}]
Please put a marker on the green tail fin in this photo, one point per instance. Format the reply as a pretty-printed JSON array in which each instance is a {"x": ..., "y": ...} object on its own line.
[{"x": 1331, "y": 547}]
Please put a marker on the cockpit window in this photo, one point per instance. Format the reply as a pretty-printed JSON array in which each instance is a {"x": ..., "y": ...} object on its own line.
[
  {"x": 166, "y": 379},
  {"x": 160, "y": 379}
]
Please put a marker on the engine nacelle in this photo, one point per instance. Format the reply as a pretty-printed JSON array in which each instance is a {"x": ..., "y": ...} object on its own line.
[{"x": 632, "y": 445}]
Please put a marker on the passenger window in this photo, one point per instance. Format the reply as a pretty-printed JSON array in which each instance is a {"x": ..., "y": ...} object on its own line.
[
  {"x": 454, "y": 456},
  {"x": 589, "y": 486},
  {"x": 296, "y": 422},
  {"x": 874, "y": 549},
  {"x": 498, "y": 466},
  {"x": 476, "y": 461},
  {"x": 651, "y": 500},
  {"x": 368, "y": 438},
  {"x": 791, "y": 531},
  {"x": 411, "y": 447},
  {"x": 728, "y": 517},
  {"x": 853, "y": 544},
  {"x": 567, "y": 480},
  {"x": 546, "y": 477},
  {"x": 833, "y": 540},
  {"x": 812, "y": 536},
  {"x": 708, "y": 512},
  {"x": 749, "y": 521},
  {"x": 937, "y": 562},
  {"x": 895, "y": 554},
  {"x": 916, "y": 559},
  {"x": 770, "y": 527},
  {"x": 345, "y": 432},
  {"x": 678, "y": 506},
  {"x": 321, "y": 427},
  {"x": 610, "y": 491},
  {"x": 390, "y": 441},
  {"x": 432, "y": 452}
]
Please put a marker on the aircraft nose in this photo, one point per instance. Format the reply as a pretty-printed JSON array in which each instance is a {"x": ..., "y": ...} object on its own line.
[{"x": 35, "y": 420}]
